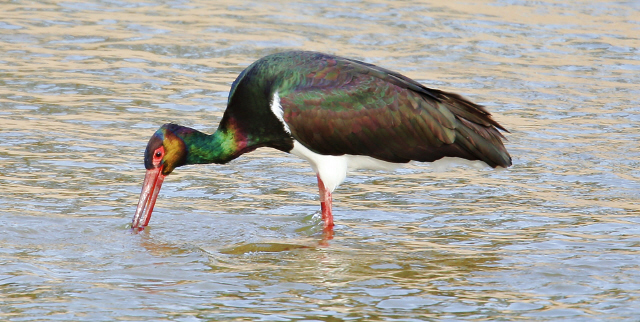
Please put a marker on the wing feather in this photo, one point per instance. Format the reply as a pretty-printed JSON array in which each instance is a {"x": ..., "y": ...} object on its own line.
[{"x": 343, "y": 106}]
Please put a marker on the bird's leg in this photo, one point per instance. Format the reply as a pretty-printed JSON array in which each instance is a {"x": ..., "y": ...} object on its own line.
[{"x": 325, "y": 205}]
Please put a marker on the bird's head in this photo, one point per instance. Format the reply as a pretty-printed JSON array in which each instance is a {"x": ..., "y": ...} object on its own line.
[{"x": 165, "y": 151}]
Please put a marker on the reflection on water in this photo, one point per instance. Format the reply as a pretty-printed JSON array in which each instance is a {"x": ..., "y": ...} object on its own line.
[{"x": 555, "y": 237}]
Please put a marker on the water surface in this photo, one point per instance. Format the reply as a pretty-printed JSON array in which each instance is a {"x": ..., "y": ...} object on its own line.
[{"x": 555, "y": 237}]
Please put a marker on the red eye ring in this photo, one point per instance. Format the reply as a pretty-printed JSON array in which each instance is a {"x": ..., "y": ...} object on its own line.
[{"x": 158, "y": 154}]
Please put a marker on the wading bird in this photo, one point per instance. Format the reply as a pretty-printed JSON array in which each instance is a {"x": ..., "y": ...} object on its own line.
[{"x": 337, "y": 113}]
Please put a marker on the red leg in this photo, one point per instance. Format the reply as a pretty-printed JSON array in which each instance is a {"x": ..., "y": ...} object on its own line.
[{"x": 325, "y": 204}]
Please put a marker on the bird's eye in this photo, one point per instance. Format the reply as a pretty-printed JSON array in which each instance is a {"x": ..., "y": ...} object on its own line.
[{"x": 157, "y": 156}]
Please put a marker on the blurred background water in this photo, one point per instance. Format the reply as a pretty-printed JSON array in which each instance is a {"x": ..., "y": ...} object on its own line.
[{"x": 83, "y": 85}]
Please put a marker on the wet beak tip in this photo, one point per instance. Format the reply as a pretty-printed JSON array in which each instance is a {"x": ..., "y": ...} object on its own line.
[{"x": 150, "y": 189}]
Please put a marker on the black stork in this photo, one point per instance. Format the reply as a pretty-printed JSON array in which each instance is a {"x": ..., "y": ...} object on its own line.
[{"x": 337, "y": 113}]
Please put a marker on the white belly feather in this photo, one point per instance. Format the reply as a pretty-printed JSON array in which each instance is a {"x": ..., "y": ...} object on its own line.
[{"x": 333, "y": 168}]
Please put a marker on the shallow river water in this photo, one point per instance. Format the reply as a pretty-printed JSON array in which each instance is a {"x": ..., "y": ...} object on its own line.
[{"x": 556, "y": 237}]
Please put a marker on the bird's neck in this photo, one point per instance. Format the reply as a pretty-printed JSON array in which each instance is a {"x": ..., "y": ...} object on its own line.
[{"x": 220, "y": 147}]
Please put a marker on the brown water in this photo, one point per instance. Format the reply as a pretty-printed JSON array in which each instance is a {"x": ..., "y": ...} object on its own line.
[{"x": 556, "y": 237}]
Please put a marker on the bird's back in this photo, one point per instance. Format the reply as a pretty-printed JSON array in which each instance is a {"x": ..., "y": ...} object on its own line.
[{"x": 335, "y": 106}]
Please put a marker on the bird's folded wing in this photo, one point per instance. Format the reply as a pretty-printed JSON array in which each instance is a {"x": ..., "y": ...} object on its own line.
[{"x": 349, "y": 107}]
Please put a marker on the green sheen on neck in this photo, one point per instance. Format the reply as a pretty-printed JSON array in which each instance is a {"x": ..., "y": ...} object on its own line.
[{"x": 219, "y": 147}]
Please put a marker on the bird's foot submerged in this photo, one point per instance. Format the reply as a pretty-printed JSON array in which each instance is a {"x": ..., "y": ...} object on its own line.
[{"x": 325, "y": 205}]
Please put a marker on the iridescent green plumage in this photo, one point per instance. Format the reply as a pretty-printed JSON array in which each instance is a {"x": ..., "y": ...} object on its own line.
[{"x": 336, "y": 106}]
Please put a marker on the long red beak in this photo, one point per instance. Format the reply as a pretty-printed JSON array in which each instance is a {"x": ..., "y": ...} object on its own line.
[{"x": 150, "y": 188}]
